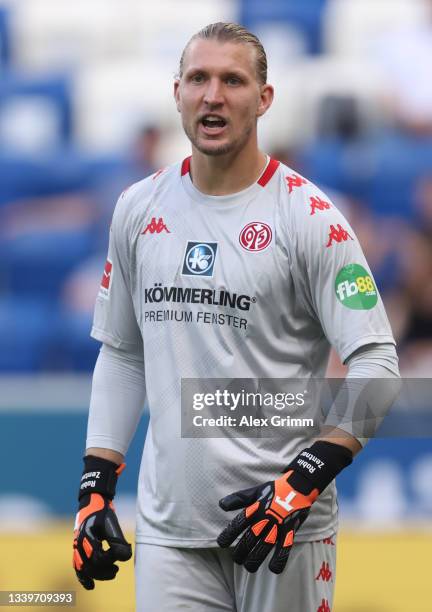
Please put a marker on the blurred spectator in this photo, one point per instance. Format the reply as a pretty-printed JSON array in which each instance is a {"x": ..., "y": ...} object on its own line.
[
  {"x": 81, "y": 287},
  {"x": 63, "y": 212},
  {"x": 340, "y": 116},
  {"x": 81, "y": 207},
  {"x": 140, "y": 161},
  {"x": 406, "y": 56},
  {"x": 79, "y": 290},
  {"x": 417, "y": 259},
  {"x": 423, "y": 204}
]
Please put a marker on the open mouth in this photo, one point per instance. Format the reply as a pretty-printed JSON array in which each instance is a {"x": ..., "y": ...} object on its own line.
[{"x": 213, "y": 122}]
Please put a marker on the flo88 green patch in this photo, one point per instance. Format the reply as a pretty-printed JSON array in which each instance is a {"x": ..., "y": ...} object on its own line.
[{"x": 355, "y": 288}]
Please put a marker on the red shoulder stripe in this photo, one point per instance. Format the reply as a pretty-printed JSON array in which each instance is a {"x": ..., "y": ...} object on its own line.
[
  {"x": 185, "y": 166},
  {"x": 273, "y": 165}
]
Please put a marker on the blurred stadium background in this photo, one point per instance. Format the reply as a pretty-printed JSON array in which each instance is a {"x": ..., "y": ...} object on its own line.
[{"x": 86, "y": 109}]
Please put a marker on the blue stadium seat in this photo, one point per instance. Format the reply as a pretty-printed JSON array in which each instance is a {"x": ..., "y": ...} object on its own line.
[
  {"x": 335, "y": 163},
  {"x": 64, "y": 170},
  {"x": 382, "y": 170},
  {"x": 25, "y": 331},
  {"x": 53, "y": 88},
  {"x": 5, "y": 38},
  {"x": 37, "y": 264},
  {"x": 73, "y": 348},
  {"x": 399, "y": 161},
  {"x": 305, "y": 15}
]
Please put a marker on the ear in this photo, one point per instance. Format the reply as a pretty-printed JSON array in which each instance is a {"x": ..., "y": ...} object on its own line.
[
  {"x": 177, "y": 93},
  {"x": 266, "y": 99}
]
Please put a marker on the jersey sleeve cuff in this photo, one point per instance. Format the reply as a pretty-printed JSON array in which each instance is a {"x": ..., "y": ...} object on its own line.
[
  {"x": 363, "y": 341},
  {"x": 101, "y": 441},
  {"x": 107, "y": 338}
]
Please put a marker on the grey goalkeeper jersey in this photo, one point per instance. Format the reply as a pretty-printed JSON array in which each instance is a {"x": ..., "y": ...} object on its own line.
[{"x": 257, "y": 284}]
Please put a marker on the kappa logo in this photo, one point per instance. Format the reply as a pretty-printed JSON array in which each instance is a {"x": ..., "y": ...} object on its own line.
[
  {"x": 338, "y": 234},
  {"x": 199, "y": 258},
  {"x": 294, "y": 180},
  {"x": 158, "y": 173},
  {"x": 318, "y": 204},
  {"x": 325, "y": 572},
  {"x": 324, "y": 607},
  {"x": 255, "y": 236},
  {"x": 156, "y": 227},
  {"x": 105, "y": 285}
]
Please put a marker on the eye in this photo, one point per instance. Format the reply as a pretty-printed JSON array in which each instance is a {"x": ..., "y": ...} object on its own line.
[
  {"x": 197, "y": 78},
  {"x": 233, "y": 80}
]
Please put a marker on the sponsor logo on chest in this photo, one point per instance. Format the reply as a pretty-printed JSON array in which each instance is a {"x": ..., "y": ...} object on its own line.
[{"x": 199, "y": 258}]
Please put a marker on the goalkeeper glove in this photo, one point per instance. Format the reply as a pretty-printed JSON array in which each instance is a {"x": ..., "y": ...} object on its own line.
[
  {"x": 274, "y": 511},
  {"x": 95, "y": 522}
]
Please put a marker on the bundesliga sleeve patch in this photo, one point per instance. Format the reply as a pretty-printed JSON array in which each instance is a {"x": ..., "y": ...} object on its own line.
[
  {"x": 355, "y": 288},
  {"x": 105, "y": 285}
]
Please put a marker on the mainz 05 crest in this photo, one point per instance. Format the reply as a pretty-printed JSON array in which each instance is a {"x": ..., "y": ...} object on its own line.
[{"x": 255, "y": 236}]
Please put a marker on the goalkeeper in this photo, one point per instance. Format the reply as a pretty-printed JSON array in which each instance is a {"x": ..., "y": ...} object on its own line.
[{"x": 226, "y": 265}]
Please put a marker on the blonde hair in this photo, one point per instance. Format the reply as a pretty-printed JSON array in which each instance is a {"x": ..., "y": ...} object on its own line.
[{"x": 232, "y": 32}]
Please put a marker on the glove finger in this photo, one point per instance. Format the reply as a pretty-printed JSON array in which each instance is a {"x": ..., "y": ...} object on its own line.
[
  {"x": 299, "y": 518},
  {"x": 257, "y": 556},
  {"x": 86, "y": 581},
  {"x": 111, "y": 527},
  {"x": 103, "y": 558},
  {"x": 244, "y": 547},
  {"x": 120, "y": 550},
  {"x": 233, "y": 530},
  {"x": 240, "y": 499},
  {"x": 103, "y": 572},
  {"x": 109, "y": 531},
  {"x": 254, "y": 537},
  {"x": 91, "y": 548},
  {"x": 282, "y": 549}
]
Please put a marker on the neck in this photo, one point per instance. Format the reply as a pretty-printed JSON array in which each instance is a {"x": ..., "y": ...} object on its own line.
[{"x": 226, "y": 174}]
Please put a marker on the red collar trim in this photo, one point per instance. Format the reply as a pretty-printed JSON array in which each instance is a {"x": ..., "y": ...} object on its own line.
[
  {"x": 185, "y": 166},
  {"x": 272, "y": 166}
]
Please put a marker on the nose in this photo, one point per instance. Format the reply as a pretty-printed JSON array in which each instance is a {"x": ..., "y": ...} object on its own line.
[{"x": 213, "y": 95}]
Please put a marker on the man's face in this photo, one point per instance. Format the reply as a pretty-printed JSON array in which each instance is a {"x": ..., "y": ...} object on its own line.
[{"x": 219, "y": 97}]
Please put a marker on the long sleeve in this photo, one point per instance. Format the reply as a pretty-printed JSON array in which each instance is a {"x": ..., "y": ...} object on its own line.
[
  {"x": 117, "y": 399},
  {"x": 370, "y": 388}
]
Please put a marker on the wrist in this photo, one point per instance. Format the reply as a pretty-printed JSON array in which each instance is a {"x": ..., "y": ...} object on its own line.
[
  {"x": 99, "y": 476},
  {"x": 316, "y": 466}
]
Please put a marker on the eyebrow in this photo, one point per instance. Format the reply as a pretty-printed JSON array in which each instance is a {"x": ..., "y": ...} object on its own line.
[{"x": 237, "y": 72}]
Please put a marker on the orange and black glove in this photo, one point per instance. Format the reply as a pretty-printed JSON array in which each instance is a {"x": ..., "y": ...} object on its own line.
[
  {"x": 274, "y": 511},
  {"x": 96, "y": 522}
]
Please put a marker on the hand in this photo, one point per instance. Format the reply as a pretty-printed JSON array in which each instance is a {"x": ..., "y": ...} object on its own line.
[
  {"x": 272, "y": 514},
  {"x": 96, "y": 521},
  {"x": 274, "y": 511}
]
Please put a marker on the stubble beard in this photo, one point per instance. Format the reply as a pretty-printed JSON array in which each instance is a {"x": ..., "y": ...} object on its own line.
[{"x": 223, "y": 149}]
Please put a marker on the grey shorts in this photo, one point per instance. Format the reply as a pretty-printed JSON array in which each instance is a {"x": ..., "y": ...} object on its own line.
[{"x": 206, "y": 579}]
